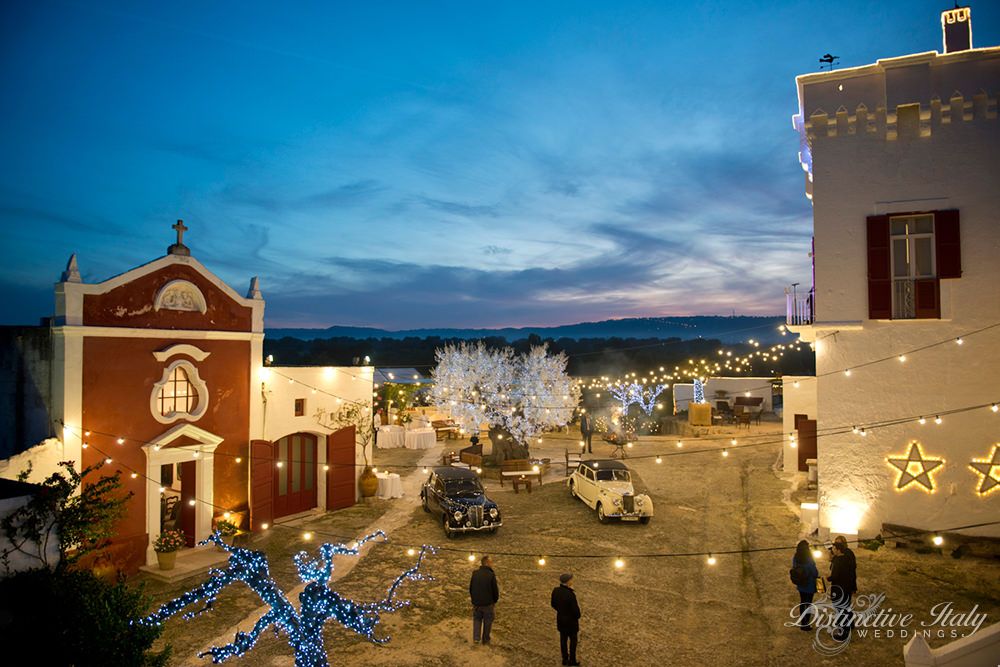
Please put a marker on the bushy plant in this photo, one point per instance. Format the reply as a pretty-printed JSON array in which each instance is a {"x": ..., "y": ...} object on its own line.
[
  {"x": 226, "y": 528},
  {"x": 72, "y": 617},
  {"x": 169, "y": 540}
]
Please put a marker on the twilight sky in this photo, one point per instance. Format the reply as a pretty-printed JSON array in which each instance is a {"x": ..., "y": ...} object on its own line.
[{"x": 421, "y": 164}]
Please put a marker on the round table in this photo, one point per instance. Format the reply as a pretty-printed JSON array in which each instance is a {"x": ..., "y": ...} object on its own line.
[
  {"x": 390, "y": 437},
  {"x": 389, "y": 485},
  {"x": 420, "y": 438}
]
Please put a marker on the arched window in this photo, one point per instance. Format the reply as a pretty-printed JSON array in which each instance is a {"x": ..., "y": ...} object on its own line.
[{"x": 178, "y": 395}]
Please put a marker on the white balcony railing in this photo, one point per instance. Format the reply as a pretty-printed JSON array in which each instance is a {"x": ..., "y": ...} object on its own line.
[{"x": 798, "y": 306}]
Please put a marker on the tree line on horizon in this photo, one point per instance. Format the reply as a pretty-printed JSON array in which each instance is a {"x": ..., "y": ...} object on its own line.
[{"x": 587, "y": 357}]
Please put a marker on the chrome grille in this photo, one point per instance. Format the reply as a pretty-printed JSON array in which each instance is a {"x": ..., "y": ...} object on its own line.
[
  {"x": 628, "y": 503},
  {"x": 476, "y": 515}
]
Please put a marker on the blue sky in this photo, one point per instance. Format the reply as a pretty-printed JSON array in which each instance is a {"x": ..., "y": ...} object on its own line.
[{"x": 427, "y": 164}]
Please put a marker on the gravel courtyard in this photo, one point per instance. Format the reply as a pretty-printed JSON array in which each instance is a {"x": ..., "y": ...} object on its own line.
[{"x": 654, "y": 611}]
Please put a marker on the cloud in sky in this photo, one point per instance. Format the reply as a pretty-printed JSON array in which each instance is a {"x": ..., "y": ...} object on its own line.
[{"x": 429, "y": 165}]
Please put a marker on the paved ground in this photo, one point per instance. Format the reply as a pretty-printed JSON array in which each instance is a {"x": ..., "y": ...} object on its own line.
[{"x": 677, "y": 611}]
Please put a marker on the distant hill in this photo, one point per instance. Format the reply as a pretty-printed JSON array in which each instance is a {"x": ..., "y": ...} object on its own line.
[{"x": 726, "y": 329}]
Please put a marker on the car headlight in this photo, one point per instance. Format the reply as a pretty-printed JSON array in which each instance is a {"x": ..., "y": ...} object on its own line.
[
  {"x": 638, "y": 501},
  {"x": 457, "y": 515},
  {"x": 617, "y": 502},
  {"x": 494, "y": 513}
]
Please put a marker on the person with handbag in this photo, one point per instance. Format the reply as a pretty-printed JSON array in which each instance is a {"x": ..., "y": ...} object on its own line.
[{"x": 804, "y": 574}]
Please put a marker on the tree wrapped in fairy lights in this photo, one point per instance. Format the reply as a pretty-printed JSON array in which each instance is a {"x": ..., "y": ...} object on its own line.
[
  {"x": 636, "y": 393},
  {"x": 519, "y": 396},
  {"x": 317, "y": 602}
]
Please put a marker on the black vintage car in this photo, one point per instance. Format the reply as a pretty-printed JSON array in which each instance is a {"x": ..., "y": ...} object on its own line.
[{"x": 457, "y": 496}]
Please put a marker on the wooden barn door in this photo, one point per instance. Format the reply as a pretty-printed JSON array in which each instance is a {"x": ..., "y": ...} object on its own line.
[
  {"x": 807, "y": 442},
  {"x": 188, "y": 509},
  {"x": 294, "y": 474},
  {"x": 340, "y": 455},
  {"x": 261, "y": 484}
]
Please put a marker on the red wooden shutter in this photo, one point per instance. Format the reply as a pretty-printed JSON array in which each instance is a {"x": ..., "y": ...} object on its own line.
[
  {"x": 879, "y": 280},
  {"x": 947, "y": 245},
  {"x": 261, "y": 483},
  {"x": 927, "y": 298},
  {"x": 341, "y": 480}
]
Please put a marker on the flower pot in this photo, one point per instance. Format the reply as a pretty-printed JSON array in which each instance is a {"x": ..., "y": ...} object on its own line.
[
  {"x": 368, "y": 485},
  {"x": 167, "y": 559}
]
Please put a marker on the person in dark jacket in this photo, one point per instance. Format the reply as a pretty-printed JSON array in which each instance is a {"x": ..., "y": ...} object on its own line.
[
  {"x": 485, "y": 594},
  {"x": 587, "y": 431},
  {"x": 803, "y": 559},
  {"x": 843, "y": 585},
  {"x": 567, "y": 618}
]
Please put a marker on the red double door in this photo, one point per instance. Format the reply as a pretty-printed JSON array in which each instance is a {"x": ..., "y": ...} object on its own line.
[{"x": 284, "y": 475}]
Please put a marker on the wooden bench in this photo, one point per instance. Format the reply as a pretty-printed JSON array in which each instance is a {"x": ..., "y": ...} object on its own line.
[
  {"x": 444, "y": 428},
  {"x": 522, "y": 481},
  {"x": 572, "y": 461},
  {"x": 520, "y": 469},
  {"x": 473, "y": 460}
]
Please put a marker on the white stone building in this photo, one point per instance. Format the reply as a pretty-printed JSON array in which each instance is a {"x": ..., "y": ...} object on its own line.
[{"x": 902, "y": 162}]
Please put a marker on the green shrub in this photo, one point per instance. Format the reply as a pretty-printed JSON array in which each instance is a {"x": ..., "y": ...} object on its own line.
[{"x": 71, "y": 617}]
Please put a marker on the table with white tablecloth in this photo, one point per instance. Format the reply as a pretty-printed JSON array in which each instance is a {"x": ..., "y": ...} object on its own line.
[
  {"x": 390, "y": 437},
  {"x": 420, "y": 438},
  {"x": 389, "y": 485}
]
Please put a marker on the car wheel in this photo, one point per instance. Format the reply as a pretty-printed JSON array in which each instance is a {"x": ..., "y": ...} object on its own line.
[
  {"x": 448, "y": 532},
  {"x": 644, "y": 520},
  {"x": 426, "y": 506},
  {"x": 600, "y": 514},
  {"x": 572, "y": 490},
  {"x": 493, "y": 531}
]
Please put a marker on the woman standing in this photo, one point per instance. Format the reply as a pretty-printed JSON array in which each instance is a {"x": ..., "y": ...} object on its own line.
[{"x": 804, "y": 574}]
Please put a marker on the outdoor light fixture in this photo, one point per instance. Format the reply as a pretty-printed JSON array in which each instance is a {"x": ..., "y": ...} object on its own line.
[
  {"x": 239, "y": 459},
  {"x": 937, "y": 539},
  {"x": 922, "y": 420},
  {"x": 192, "y": 502},
  {"x": 711, "y": 559},
  {"x": 619, "y": 563},
  {"x": 541, "y": 561},
  {"x": 121, "y": 441},
  {"x": 937, "y": 419},
  {"x": 411, "y": 551},
  {"x": 307, "y": 536},
  {"x": 472, "y": 557}
]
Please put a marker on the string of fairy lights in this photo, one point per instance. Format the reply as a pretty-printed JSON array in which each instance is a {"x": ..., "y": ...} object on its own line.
[
  {"x": 605, "y": 382},
  {"x": 619, "y": 560},
  {"x": 658, "y": 457}
]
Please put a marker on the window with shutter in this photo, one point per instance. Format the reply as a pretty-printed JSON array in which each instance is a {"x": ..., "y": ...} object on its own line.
[{"x": 908, "y": 255}]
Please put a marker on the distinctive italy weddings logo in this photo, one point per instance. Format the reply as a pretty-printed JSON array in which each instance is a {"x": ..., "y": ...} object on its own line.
[{"x": 868, "y": 617}]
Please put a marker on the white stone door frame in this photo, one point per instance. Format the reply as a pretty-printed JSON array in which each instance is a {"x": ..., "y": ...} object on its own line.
[{"x": 158, "y": 453}]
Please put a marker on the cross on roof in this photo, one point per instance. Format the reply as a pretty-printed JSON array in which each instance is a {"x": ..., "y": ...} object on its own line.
[{"x": 179, "y": 226}]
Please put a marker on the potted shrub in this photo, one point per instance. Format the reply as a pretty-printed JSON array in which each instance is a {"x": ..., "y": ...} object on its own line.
[
  {"x": 227, "y": 530},
  {"x": 166, "y": 545}
]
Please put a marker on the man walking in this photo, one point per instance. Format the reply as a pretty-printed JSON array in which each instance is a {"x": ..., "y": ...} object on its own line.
[
  {"x": 843, "y": 585},
  {"x": 587, "y": 431},
  {"x": 567, "y": 618},
  {"x": 485, "y": 593}
]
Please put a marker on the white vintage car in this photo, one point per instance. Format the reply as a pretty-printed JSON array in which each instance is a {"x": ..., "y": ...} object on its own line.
[{"x": 606, "y": 486}]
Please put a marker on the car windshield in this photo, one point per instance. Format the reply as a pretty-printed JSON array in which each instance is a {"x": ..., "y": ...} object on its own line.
[
  {"x": 613, "y": 476},
  {"x": 463, "y": 487}
]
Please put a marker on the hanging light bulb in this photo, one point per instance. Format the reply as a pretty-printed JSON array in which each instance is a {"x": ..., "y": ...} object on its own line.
[
  {"x": 995, "y": 407},
  {"x": 937, "y": 540},
  {"x": 121, "y": 441},
  {"x": 817, "y": 553},
  {"x": 922, "y": 420},
  {"x": 265, "y": 526},
  {"x": 864, "y": 433},
  {"x": 239, "y": 459},
  {"x": 959, "y": 341},
  {"x": 472, "y": 557},
  {"x": 937, "y": 419},
  {"x": 411, "y": 551},
  {"x": 902, "y": 358},
  {"x": 307, "y": 536},
  {"x": 659, "y": 460},
  {"x": 280, "y": 464},
  {"x": 847, "y": 372},
  {"x": 541, "y": 560},
  {"x": 192, "y": 502},
  {"x": 725, "y": 452},
  {"x": 107, "y": 460},
  {"x": 711, "y": 559},
  {"x": 679, "y": 444},
  {"x": 134, "y": 475},
  {"x": 619, "y": 563}
]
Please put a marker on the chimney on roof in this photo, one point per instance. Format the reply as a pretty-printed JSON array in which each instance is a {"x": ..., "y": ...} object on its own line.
[{"x": 956, "y": 29}]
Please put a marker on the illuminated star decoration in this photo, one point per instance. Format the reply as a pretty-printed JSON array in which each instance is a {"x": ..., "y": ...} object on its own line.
[
  {"x": 915, "y": 468},
  {"x": 989, "y": 469},
  {"x": 317, "y": 603}
]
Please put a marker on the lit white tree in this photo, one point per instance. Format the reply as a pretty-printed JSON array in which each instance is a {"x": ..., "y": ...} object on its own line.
[
  {"x": 641, "y": 394},
  {"x": 519, "y": 396}
]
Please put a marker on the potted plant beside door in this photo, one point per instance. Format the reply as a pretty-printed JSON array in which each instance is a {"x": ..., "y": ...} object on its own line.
[
  {"x": 227, "y": 531},
  {"x": 166, "y": 545}
]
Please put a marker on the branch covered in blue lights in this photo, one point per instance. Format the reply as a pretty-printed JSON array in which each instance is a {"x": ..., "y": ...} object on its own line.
[
  {"x": 317, "y": 602},
  {"x": 642, "y": 395}
]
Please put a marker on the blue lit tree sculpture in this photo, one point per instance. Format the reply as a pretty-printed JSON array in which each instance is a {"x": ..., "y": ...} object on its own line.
[{"x": 317, "y": 603}]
